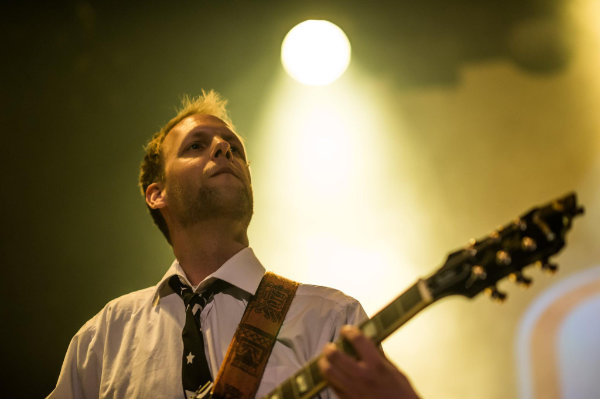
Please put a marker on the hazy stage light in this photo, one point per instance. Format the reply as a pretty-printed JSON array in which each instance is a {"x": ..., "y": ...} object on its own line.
[{"x": 315, "y": 52}]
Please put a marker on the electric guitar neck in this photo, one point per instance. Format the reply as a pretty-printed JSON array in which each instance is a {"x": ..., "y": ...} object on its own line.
[{"x": 532, "y": 238}]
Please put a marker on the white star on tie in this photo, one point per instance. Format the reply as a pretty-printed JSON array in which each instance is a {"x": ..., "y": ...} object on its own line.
[{"x": 190, "y": 358}]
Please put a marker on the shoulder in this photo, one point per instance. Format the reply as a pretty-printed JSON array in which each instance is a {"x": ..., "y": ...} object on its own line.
[
  {"x": 118, "y": 309},
  {"x": 130, "y": 303},
  {"x": 97, "y": 346},
  {"x": 328, "y": 303},
  {"x": 315, "y": 318},
  {"x": 331, "y": 296}
]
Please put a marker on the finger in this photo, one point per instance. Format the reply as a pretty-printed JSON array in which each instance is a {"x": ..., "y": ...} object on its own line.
[
  {"x": 347, "y": 365},
  {"x": 351, "y": 376},
  {"x": 366, "y": 350},
  {"x": 334, "y": 375}
]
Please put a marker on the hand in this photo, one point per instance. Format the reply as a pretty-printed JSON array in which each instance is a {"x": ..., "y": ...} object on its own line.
[{"x": 372, "y": 375}]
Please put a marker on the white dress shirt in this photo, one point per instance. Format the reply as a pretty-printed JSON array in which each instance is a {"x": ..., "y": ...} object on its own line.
[{"x": 132, "y": 348}]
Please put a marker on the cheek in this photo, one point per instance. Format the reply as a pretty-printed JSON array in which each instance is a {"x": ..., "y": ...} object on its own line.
[
  {"x": 188, "y": 172},
  {"x": 247, "y": 175},
  {"x": 244, "y": 168}
]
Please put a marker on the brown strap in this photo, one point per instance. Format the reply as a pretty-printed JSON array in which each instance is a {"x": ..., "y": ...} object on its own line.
[{"x": 254, "y": 339}]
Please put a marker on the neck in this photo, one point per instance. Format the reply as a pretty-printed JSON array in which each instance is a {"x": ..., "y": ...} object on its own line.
[{"x": 202, "y": 248}]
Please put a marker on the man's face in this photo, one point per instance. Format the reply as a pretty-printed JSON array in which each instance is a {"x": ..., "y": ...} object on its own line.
[{"x": 206, "y": 172}]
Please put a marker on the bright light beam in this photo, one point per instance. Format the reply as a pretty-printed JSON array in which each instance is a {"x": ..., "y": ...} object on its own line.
[
  {"x": 328, "y": 167},
  {"x": 315, "y": 52}
]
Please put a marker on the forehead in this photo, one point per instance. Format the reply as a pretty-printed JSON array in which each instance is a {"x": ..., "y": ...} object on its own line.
[{"x": 199, "y": 123}]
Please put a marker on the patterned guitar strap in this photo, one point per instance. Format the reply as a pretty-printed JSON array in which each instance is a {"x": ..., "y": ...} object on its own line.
[{"x": 254, "y": 339}]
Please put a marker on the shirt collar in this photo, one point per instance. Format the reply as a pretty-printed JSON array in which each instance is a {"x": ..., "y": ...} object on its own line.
[{"x": 242, "y": 270}]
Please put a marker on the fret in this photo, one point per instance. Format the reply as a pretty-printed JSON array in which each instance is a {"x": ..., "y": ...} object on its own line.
[
  {"x": 411, "y": 297},
  {"x": 370, "y": 328},
  {"x": 398, "y": 312},
  {"x": 390, "y": 314},
  {"x": 292, "y": 382},
  {"x": 398, "y": 305},
  {"x": 308, "y": 381},
  {"x": 287, "y": 390},
  {"x": 315, "y": 373},
  {"x": 303, "y": 380},
  {"x": 275, "y": 394},
  {"x": 301, "y": 383}
]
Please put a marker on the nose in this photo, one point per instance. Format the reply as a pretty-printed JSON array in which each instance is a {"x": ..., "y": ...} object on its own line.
[{"x": 221, "y": 148}]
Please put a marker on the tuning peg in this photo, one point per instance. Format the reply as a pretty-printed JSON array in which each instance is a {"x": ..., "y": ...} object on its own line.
[
  {"x": 503, "y": 258},
  {"x": 549, "y": 267},
  {"x": 495, "y": 235},
  {"x": 471, "y": 247},
  {"x": 528, "y": 244},
  {"x": 520, "y": 224},
  {"x": 520, "y": 279},
  {"x": 479, "y": 272},
  {"x": 558, "y": 206},
  {"x": 542, "y": 225},
  {"x": 495, "y": 294}
]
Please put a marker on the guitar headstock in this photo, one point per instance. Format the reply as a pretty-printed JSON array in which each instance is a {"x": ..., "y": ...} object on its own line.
[{"x": 533, "y": 237}]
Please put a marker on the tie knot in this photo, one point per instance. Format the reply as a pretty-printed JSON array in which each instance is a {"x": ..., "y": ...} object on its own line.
[{"x": 189, "y": 296}]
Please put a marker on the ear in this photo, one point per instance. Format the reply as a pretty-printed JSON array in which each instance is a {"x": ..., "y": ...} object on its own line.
[{"x": 155, "y": 196}]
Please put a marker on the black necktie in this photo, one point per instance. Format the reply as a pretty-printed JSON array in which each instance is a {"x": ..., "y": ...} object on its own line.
[{"x": 194, "y": 367}]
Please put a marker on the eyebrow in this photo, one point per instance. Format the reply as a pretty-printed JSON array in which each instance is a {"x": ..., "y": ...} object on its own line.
[{"x": 201, "y": 131}]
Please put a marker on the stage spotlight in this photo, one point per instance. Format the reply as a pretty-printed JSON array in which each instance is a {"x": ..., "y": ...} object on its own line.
[{"x": 315, "y": 52}]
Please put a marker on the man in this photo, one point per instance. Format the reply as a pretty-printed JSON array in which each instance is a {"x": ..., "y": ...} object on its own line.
[{"x": 197, "y": 186}]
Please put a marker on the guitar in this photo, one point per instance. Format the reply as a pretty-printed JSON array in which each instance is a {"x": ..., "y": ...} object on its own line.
[{"x": 533, "y": 237}]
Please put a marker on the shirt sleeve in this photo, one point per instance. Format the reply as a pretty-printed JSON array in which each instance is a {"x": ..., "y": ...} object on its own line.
[
  {"x": 80, "y": 373},
  {"x": 352, "y": 314}
]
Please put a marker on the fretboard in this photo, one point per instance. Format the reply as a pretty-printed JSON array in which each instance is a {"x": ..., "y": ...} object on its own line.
[{"x": 308, "y": 381}]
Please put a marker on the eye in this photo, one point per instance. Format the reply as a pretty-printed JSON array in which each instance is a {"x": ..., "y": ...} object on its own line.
[
  {"x": 195, "y": 146},
  {"x": 238, "y": 151}
]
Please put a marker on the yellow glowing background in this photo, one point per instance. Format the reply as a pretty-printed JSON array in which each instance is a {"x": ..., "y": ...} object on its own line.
[{"x": 364, "y": 190}]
